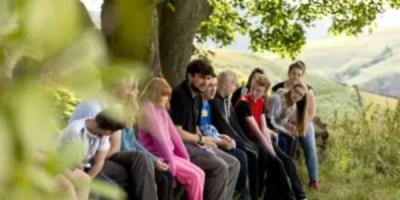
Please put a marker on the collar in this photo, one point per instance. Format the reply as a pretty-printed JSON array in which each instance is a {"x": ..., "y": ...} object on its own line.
[{"x": 185, "y": 87}]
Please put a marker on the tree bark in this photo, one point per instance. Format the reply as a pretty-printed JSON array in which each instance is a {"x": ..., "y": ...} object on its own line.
[
  {"x": 177, "y": 31},
  {"x": 170, "y": 37}
]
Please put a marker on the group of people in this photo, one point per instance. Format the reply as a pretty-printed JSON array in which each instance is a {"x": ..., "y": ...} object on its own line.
[{"x": 205, "y": 136}]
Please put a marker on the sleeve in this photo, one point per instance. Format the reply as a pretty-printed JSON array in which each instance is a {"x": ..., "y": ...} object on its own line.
[
  {"x": 104, "y": 143},
  {"x": 142, "y": 149},
  {"x": 243, "y": 109},
  {"x": 65, "y": 138},
  {"x": 277, "y": 87},
  {"x": 274, "y": 113},
  {"x": 177, "y": 109},
  {"x": 235, "y": 96},
  {"x": 180, "y": 149},
  {"x": 150, "y": 122}
]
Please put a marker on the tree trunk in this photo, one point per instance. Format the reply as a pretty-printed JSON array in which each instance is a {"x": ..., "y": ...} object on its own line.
[
  {"x": 177, "y": 30},
  {"x": 171, "y": 32}
]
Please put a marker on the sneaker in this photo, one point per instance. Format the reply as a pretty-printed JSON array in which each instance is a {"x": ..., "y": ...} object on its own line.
[{"x": 315, "y": 184}]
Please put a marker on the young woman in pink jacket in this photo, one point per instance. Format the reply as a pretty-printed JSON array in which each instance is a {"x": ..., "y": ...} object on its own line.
[{"x": 158, "y": 134}]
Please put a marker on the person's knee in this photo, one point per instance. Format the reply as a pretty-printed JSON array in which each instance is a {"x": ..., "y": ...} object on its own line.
[
  {"x": 64, "y": 183},
  {"x": 143, "y": 159},
  {"x": 237, "y": 164},
  {"x": 221, "y": 168},
  {"x": 81, "y": 177},
  {"x": 140, "y": 155},
  {"x": 200, "y": 177}
]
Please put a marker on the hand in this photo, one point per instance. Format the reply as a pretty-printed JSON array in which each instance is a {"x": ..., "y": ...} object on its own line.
[
  {"x": 226, "y": 137},
  {"x": 209, "y": 142},
  {"x": 294, "y": 132},
  {"x": 161, "y": 165},
  {"x": 275, "y": 135},
  {"x": 226, "y": 144}
]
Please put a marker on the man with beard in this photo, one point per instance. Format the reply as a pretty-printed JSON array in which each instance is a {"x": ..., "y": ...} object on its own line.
[{"x": 221, "y": 169}]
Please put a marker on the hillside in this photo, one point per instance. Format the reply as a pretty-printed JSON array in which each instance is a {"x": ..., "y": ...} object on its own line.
[
  {"x": 370, "y": 61},
  {"x": 331, "y": 96}
]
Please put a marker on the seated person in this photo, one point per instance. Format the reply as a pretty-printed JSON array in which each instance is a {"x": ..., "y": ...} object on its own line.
[
  {"x": 282, "y": 178},
  {"x": 93, "y": 134},
  {"x": 223, "y": 141},
  {"x": 141, "y": 181},
  {"x": 158, "y": 134}
]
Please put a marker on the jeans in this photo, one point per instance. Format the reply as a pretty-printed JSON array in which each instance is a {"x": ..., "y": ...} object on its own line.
[
  {"x": 310, "y": 151},
  {"x": 287, "y": 144},
  {"x": 242, "y": 185}
]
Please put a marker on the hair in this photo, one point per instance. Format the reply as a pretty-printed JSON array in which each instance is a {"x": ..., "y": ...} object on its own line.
[
  {"x": 112, "y": 78},
  {"x": 254, "y": 72},
  {"x": 155, "y": 89},
  {"x": 199, "y": 66},
  {"x": 262, "y": 81},
  {"x": 299, "y": 65},
  {"x": 301, "y": 109},
  {"x": 110, "y": 119},
  {"x": 225, "y": 75}
]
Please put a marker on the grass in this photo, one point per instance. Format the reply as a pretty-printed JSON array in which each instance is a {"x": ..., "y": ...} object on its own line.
[{"x": 375, "y": 99}]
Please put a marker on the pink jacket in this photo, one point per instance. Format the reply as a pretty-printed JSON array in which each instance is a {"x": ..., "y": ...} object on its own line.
[{"x": 157, "y": 133}]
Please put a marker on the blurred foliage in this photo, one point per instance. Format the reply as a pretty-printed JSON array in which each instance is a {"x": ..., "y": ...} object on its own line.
[
  {"x": 50, "y": 51},
  {"x": 363, "y": 160},
  {"x": 279, "y": 26}
]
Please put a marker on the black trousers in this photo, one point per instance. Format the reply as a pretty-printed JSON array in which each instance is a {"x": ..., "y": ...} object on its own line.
[
  {"x": 135, "y": 173},
  {"x": 252, "y": 161},
  {"x": 242, "y": 185},
  {"x": 278, "y": 176},
  {"x": 291, "y": 171}
]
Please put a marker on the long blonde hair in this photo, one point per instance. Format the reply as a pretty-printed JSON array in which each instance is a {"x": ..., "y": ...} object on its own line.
[{"x": 301, "y": 108}]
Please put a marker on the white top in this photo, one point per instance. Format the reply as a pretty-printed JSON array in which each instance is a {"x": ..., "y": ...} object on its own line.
[{"x": 77, "y": 132}]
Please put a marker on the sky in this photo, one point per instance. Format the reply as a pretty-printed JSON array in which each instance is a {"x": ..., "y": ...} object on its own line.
[{"x": 387, "y": 20}]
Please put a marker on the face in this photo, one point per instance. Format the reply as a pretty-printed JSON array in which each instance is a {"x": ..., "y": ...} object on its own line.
[
  {"x": 257, "y": 92},
  {"x": 164, "y": 100},
  {"x": 296, "y": 74},
  {"x": 296, "y": 94},
  {"x": 211, "y": 90},
  {"x": 199, "y": 82},
  {"x": 229, "y": 87}
]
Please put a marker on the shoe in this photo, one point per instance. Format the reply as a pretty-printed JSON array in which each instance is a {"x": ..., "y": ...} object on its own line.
[{"x": 315, "y": 184}]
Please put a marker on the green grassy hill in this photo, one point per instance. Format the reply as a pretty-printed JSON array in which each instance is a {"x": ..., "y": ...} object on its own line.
[{"x": 370, "y": 61}]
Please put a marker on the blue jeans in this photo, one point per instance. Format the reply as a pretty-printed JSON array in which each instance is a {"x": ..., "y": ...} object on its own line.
[
  {"x": 287, "y": 144},
  {"x": 310, "y": 151},
  {"x": 242, "y": 185}
]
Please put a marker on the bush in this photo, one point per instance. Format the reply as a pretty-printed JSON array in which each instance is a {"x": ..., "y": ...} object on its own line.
[{"x": 64, "y": 103}]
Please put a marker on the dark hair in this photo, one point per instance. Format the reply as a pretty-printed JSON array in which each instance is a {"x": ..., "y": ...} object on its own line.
[
  {"x": 255, "y": 71},
  {"x": 199, "y": 66},
  {"x": 110, "y": 119},
  {"x": 299, "y": 65}
]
